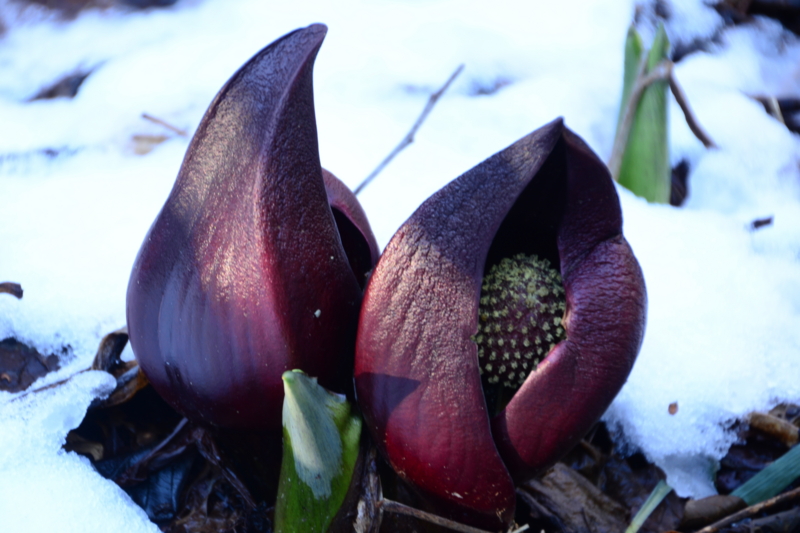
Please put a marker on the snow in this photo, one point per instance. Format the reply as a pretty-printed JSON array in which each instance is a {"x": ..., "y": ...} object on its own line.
[
  {"x": 724, "y": 300},
  {"x": 44, "y": 488}
]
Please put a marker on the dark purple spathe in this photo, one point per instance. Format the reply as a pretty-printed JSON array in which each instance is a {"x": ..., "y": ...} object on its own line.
[
  {"x": 243, "y": 274},
  {"x": 417, "y": 375}
]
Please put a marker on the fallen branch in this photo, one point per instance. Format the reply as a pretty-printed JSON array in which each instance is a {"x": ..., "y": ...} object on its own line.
[
  {"x": 775, "y": 109},
  {"x": 752, "y": 511},
  {"x": 409, "y": 138},
  {"x": 392, "y": 506},
  {"x": 167, "y": 125},
  {"x": 680, "y": 97},
  {"x": 14, "y": 289},
  {"x": 108, "y": 352}
]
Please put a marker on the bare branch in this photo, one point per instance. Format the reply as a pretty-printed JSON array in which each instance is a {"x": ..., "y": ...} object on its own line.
[
  {"x": 392, "y": 506},
  {"x": 14, "y": 289},
  {"x": 167, "y": 125},
  {"x": 409, "y": 138},
  {"x": 662, "y": 71},
  {"x": 691, "y": 120},
  {"x": 752, "y": 511},
  {"x": 775, "y": 109}
]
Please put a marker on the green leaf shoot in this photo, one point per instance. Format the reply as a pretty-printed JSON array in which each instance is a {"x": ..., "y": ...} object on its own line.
[
  {"x": 772, "y": 480},
  {"x": 321, "y": 438},
  {"x": 645, "y": 168},
  {"x": 657, "y": 495}
]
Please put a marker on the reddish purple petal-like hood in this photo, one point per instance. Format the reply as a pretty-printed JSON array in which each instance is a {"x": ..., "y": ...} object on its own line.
[
  {"x": 417, "y": 376},
  {"x": 243, "y": 274},
  {"x": 357, "y": 237},
  {"x": 606, "y": 307}
]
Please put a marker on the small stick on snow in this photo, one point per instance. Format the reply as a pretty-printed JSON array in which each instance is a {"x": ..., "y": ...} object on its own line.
[
  {"x": 14, "y": 289},
  {"x": 409, "y": 138},
  {"x": 691, "y": 120},
  {"x": 392, "y": 506},
  {"x": 775, "y": 109},
  {"x": 167, "y": 125},
  {"x": 752, "y": 511}
]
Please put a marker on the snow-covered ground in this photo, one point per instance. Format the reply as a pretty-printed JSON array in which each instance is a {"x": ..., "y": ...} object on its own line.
[{"x": 723, "y": 332}]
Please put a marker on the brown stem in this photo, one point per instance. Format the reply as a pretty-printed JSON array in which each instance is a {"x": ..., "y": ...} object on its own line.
[
  {"x": 775, "y": 109},
  {"x": 409, "y": 138},
  {"x": 14, "y": 289},
  {"x": 752, "y": 510},
  {"x": 691, "y": 120},
  {"x": 167, "y": 125},
  {"x": 392, "y": 506},
  {"x": 662, "y": 71},
  {"x": 48, "y": 387}
]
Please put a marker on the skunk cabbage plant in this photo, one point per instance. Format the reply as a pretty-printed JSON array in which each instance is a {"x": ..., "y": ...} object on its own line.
[
  {"x": 500, "y": 322},
  {"x": 256, "y": 263}
]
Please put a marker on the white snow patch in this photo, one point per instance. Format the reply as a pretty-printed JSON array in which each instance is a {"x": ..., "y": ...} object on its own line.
[
  {"x": 722, "y": 336},
  {"x": 44, "y": 488}
]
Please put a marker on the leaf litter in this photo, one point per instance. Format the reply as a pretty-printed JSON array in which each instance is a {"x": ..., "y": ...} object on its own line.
[
  {"x": 199, "y": 495},
  {"x": 183, "y": 479}
]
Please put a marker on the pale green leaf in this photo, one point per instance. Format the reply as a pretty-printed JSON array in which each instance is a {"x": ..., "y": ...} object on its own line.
[
  {"x": 320, "y": 448},
  {"x": 645, "y": 168}
]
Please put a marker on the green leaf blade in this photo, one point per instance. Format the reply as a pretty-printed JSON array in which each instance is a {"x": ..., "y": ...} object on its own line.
[
  {"x": 772, "y": 480},
  {"x": 645, "y": 168},
  {"x": 633, "y": 56},
  {"x": 321, "y": 443}
]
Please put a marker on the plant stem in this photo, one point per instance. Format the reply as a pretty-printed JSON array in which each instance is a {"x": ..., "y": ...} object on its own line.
[{"x": 409, "y": 138}]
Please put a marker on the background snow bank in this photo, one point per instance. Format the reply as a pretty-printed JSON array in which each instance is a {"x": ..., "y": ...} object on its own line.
[
  {"x": 42, "y": 487},
  {"x": 722, "y": 336}
]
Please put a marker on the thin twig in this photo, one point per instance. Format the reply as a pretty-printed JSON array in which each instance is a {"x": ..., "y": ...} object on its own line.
[
  {"x": 409, "y": 138},
  {"x": 207, "y": 446},
  {"x": 14, "y": 289},
  {"x": 752, "y": 510},
  {"x": 775, "y": 109},
  {"x": 134, "y": 473},
  {"x": 660, "y": 72},
  {"x": 691, "y": 120},
  {"x": 392, "y": 506},
  {"x": 48, "y": 387},
  {"x": 167, "y": 125}
]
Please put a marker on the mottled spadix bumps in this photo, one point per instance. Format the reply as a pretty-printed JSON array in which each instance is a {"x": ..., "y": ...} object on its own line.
[
  {"x": 256, "y": 262},
  {"x": 521, "y": 309},
  {"x": 545, "y": 208}
]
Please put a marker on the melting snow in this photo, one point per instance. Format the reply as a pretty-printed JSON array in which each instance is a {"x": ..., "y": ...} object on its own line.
[{"x": 724, "y": 300}]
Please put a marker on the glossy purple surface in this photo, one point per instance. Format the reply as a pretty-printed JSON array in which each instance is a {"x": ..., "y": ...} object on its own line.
[
  {"x": 243, "y": 274},
  {"x": 417, "y": 377}
]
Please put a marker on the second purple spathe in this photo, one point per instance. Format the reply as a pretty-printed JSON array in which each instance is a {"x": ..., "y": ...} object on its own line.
[{"x": 417, "y": 368}]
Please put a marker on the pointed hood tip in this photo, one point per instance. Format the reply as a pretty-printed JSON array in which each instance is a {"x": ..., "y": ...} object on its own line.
[
  {"x": 557, "y": 123},
  {"x": 317, "y": 27},
  {"x": 316, "y": 31}
]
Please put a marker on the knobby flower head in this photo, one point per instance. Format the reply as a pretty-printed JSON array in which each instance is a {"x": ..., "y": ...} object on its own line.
[
  {"x": 256, "y": 263},
  {"x": 499, "y": 324}
]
